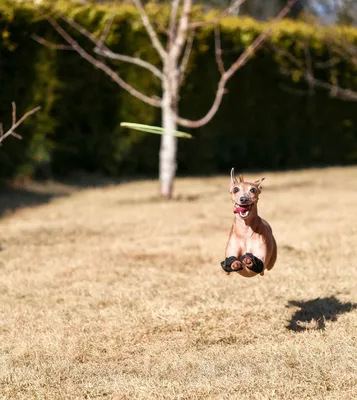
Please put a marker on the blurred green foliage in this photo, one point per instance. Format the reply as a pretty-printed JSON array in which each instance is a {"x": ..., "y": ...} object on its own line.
[{"x": 267, "y": 119}]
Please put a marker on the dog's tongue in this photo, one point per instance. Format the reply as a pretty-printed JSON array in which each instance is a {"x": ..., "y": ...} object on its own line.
[{"x": 240, "y": 208}]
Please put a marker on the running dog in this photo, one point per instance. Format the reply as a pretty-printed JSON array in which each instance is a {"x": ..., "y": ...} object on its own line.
[{"x": 251, "y": 247}]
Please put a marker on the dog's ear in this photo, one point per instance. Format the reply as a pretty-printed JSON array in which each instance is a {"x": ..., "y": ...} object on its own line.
[
  {"x": 259, "y": 183},
  {"x": 241, "y": 179},
  {"x": 234, "y": 181}
]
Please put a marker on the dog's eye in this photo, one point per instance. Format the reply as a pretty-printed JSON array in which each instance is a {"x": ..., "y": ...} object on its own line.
[
  {"x": 235, "y": 190},
  {"x": 253, "y": 190}
]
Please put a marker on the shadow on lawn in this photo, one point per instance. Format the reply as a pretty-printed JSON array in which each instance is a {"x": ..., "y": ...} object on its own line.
[
  {"x": 314, "y": 313},
  {"x": 44, "y": 188},
  {"x": 21, "y": 194},
  {"x": 14, "y": 198}
]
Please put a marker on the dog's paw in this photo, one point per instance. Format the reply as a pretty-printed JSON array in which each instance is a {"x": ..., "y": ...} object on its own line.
[
  {"x": 247, "y": 261},
  {"x": 231, "y": 264},
  {"x": 251, "y": 262},
  {"x": 237, "y": 265}
]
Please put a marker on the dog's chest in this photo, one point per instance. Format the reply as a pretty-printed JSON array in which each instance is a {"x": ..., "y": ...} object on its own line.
[{"x": 250, "y": 243}]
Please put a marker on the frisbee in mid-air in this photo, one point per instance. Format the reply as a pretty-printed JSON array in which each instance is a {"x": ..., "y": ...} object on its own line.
[{"x": 155, "y": 129}]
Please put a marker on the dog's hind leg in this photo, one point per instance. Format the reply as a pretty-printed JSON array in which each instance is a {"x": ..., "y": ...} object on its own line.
[{"x": 273, "y": 256}]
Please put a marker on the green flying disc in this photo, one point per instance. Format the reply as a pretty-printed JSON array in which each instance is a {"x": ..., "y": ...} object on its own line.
[{"x": 154, "y": 129}]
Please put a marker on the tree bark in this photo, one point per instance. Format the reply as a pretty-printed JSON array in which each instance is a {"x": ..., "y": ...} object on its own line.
[{"x": 168, "y": 149}]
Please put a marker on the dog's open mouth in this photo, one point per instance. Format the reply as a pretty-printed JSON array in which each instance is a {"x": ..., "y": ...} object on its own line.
[{"x": 243, "y": 209}]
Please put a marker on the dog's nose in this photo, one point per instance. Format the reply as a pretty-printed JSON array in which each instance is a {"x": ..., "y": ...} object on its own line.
[{"x": 243, "y": 198}]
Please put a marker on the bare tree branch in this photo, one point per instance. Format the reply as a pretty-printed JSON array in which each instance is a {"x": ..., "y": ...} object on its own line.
[
  {"x": 51, "y": 45},
  {"x": 345, "y": 51},
  {"x": 100, "y": 65},
  {"x": 106, "y": 30},
  {"x": 132, "y": 60},
  {"x": 218, "y": 50},
  {"x": 150, "y": 30},
  {"x": 244, "y": 57},
  {"x": 100, "y": 43},
  {"x": 234, "y": 5},
  {"x": 15, "y": 124},
  {"x": 172, "y": 23},
  {"x": 259, "y": 40},
  {"x": 326, "y": 64},
  {"x": 213, "y": 110},
  {"x": 171, "y": 72},
  {"x": 102, "y": 50},
  {"x": 335, "y": 90},
  {"x": 13, "y": 113},
  {"x": 308, "y": 74},
  {"x": 81, "y": 29},
  {"x": 186, "y": 55},
  {"x": 182, "y": 30},
  {"x": 310, "y": 70}
]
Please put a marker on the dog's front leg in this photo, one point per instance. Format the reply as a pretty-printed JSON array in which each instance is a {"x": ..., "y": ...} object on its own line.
[{"x": 232, "y": 253}]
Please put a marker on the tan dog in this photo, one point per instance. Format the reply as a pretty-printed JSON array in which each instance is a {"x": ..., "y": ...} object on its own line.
[{"x": 251, "y": 246}]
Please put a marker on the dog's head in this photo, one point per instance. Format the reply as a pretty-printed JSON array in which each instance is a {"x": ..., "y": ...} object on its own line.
[{"x": 245, "y": 195}]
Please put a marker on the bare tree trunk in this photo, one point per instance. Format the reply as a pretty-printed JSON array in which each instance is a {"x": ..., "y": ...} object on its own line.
[{"x": 168, "y": 149}]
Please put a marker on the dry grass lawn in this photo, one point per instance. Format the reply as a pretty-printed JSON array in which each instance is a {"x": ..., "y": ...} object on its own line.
[{"x": 108, "y": 293}]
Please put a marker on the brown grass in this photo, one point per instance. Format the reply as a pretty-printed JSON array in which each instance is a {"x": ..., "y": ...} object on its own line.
[{"x": 109, "y": 293}]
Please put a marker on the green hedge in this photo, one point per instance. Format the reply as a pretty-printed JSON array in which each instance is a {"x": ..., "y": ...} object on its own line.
[{"x": 264, "y": 121}]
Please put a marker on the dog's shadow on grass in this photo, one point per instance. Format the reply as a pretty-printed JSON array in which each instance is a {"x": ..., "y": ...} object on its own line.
[{"x": 313, "y": 314}]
